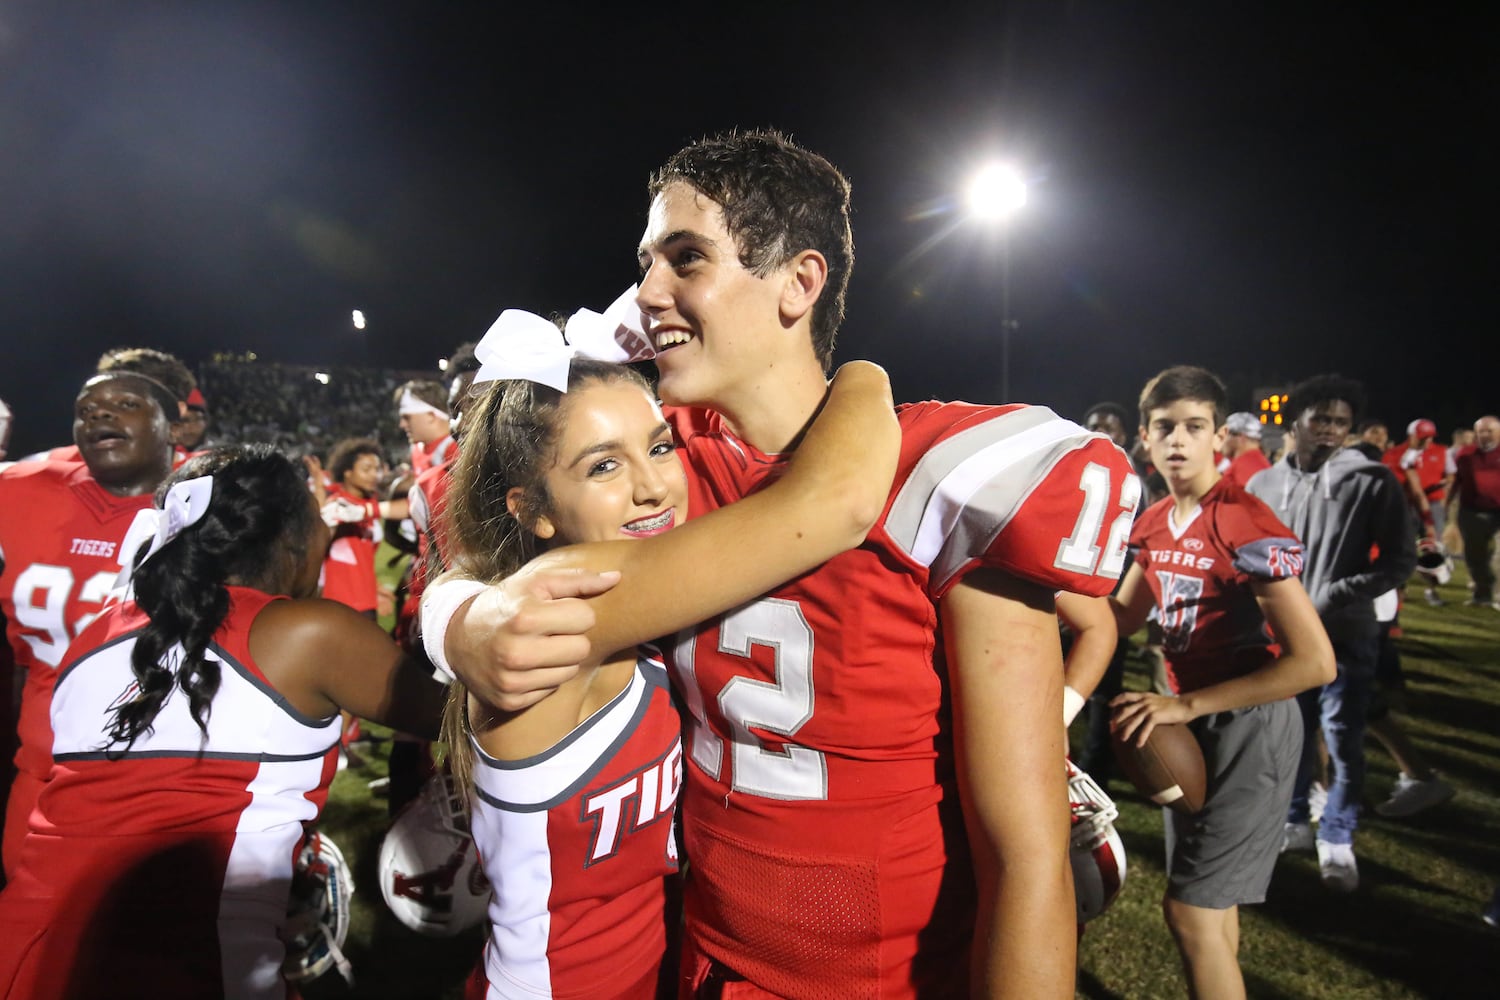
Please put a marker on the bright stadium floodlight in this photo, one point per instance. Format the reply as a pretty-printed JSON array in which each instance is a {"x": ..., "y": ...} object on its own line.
[
  {"x": 997, "y": 192},
  {"x": 321, "y": 377},
  {"x": 359, "y": 320}
]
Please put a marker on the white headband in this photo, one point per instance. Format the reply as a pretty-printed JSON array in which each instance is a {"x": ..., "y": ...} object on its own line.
[
  {"x": 410, "y": 404},
  {"x": 185, "y": 504},
  {"x": 523, "y": 345}
]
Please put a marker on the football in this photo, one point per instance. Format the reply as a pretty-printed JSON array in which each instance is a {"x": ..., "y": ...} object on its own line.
[{"x": 1169, "y": 769}]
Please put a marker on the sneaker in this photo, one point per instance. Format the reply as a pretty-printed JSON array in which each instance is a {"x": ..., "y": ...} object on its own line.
[
  {"x": 1297, "y": 837},
  {"x": 1317, "y": 798},
  {"x": 1481, "y": 602},
  {"x": 1410, "y": 796},
  {"x": 1492, "y": 911},
  {"x": 1338, "y": 867},
  {"x": 1431, "y": 595}
]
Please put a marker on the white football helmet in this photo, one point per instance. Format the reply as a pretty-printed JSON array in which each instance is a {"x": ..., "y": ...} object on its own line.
[
  {"x": 1433, "y": 562},
  {"x": 430, "y": 873},
  {"x": 317, "y": 920},
  {"x": 1095, "y": 848}
]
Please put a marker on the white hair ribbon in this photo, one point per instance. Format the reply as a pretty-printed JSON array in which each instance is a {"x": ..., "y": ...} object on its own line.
[
  {"x": 410, "y": 404},
  {"x": 184, "y": 505},
  {"x": 523, "y": 345}
]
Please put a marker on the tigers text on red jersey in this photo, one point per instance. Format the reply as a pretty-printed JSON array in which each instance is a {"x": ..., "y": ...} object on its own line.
[
  {"x": 178, "y": 845},
  {"x": 577, "y": 842},
  {"x": 1200, "y": 575},
  {"x": 59, "y": 542},
  {"x": 821, "y": 817}
]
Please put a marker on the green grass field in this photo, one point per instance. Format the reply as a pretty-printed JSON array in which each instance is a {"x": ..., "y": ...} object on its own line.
[{"x": 1411, "y": 930}]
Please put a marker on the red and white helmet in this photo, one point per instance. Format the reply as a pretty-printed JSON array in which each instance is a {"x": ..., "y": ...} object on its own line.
[
  {"x": 1095, "y": 848},
  {"x": 1421, "y": 428},
  {"x": 317, "y": 919},
  {"x": 430, "y": 873},
  {"x": 1433, "y": 562}
]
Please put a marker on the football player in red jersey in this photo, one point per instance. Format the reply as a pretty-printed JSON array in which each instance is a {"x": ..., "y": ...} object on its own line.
[
  {"x": 872, "y": 783},
  {"x": 63, "y": 525},
  {"x": 421, "y": 408},
  {"x": 195, "y": 734},
  {"x": 1242, "y": 638}
]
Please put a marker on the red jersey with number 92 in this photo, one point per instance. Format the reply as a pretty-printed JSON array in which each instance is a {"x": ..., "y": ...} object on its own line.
[
  {"x": 821, "y": 820},
  {"x": 59, "y": 535}
]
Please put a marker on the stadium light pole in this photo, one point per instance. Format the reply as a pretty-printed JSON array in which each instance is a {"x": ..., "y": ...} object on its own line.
[{"x": 995, "y": 194}]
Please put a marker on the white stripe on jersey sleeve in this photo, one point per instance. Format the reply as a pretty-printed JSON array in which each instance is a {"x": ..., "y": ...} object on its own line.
[{"x": 963, "y": 492}]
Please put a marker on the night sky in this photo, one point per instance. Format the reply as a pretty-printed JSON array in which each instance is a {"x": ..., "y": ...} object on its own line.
[{"x": 1269, "y": 195}]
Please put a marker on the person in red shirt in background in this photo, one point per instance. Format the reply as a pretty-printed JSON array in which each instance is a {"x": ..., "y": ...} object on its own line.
[
  {"x": 423, "y": 408},
  {"x": 1426, "y": 471},
  {"x": 1477, "y": 480},
  {"x": 1425, "y": 468},
  {"x": 1240, "y": 453}
]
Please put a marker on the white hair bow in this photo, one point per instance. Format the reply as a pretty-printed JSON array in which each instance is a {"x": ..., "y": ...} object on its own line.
[
  {"x": 184, "y": 506},
  {"x": 524, "y": 345}
]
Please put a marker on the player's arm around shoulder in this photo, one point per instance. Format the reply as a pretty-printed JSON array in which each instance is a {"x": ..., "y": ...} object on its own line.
[
  {"x": 1004, "y": 664},
  {"x": 323, "y": 656},
  {"x": 514, "y": 643}
]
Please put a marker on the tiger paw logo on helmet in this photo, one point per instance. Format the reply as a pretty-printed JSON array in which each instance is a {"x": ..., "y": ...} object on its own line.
[{"x": 430, "y": 873}]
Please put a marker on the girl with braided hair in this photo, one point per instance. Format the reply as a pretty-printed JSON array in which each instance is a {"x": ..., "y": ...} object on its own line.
[{"x": 195, "y": 736}]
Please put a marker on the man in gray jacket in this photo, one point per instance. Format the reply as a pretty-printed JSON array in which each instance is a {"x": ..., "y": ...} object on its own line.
[{"x": 1341, "y": 505}]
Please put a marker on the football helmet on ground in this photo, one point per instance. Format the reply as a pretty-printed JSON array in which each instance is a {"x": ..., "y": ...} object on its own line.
[
  {"x": 318, "y": 913},
  {"x": 430, "y": 873}
]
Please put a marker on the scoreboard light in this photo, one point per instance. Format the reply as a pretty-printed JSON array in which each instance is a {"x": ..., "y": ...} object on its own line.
[{"x": 1271, "y": 408}]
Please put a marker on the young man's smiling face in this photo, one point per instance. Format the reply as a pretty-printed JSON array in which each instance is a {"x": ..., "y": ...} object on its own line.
[{"x": 700, "y": 306}]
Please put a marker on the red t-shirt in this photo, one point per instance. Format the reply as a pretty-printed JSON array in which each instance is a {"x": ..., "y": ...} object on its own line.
[{"x": 1477, "y": 478}]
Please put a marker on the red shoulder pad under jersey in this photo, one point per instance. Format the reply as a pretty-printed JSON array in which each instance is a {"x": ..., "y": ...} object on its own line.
[
  {"x": 1263, "y": 547},
  {"x": 1014, "y": 488}
]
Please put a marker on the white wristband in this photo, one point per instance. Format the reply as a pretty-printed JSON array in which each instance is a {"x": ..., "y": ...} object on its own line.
[
  {"x": 1072, "y": 702},
  {"x": 439, "y": 604}
]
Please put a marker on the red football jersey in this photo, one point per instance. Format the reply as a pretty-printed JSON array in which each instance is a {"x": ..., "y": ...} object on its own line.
[
  {"x": 432, "y": 454},
  {"x": 827, "y": 847},
  {"x": 169, "y": 862},
  {"x": 59, "y": 540},
  {"x": 349, "y": 570},
  {"x": 577, "y": 842},
  {"x": 1433, "y": 464},
  {"x": 1200, "y": 574}
]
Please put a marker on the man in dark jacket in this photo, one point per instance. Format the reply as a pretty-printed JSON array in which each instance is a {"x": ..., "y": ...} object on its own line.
[{"x": 1351, "y": 516}]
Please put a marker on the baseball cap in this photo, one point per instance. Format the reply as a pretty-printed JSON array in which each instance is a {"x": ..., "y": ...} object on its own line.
[
  {"x": 1421, "y": 428},
  {"x": 195, "y": 400},
  {"x": 1247, "y": 424}
]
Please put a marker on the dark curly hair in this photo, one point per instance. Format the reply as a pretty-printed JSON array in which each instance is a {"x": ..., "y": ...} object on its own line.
[
  {"x": 778, "y": 199},
  {"x": 1324, "y": 389},
  {"x": 344, "y": 454},
  {"x": 252, "y": 533}
]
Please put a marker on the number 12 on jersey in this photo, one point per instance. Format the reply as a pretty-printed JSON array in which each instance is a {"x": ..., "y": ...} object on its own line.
[
  {"x": 782, "y": 707},
  {"x": 1080, "y": 552}
]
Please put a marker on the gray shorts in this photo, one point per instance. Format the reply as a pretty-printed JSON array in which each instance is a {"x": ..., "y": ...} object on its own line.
[{"x": 1224, "y": 855}]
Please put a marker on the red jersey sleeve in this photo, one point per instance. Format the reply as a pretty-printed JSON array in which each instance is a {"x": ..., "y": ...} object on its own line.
[
  {"x": 1263, "y": 547},
  {"x": 1013, "y": 488}
]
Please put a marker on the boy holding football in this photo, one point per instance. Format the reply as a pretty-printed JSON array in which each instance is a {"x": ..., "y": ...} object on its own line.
[{"x": 1242, "y": 639}]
